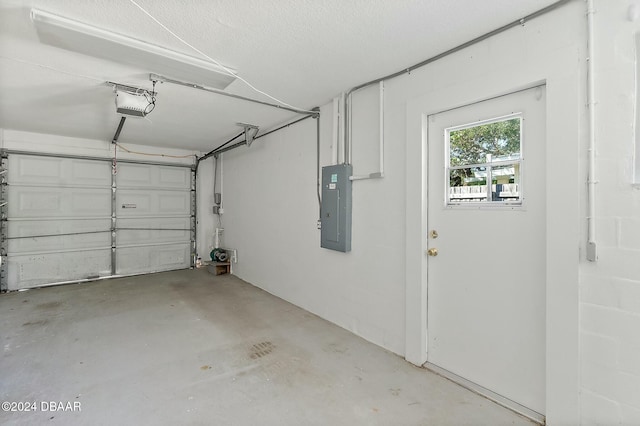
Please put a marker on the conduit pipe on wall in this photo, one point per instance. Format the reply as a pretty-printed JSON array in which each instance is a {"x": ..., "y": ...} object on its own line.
[
  {"x": 380, "y": 173},
  {"x": 519, "y": 22},
  {"x": 381, "y": 128},
  {"x": 221, "y": 182},
  {"x": 336, "y": 129},
  {"x": 318, "y": 164},
  {"x": 592, "y": 254}
]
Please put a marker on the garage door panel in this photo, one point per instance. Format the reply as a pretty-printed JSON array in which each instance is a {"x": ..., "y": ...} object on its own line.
[
  {"x": 32, "y": 270},
  {"x": 131, "y": 203},
  {"x": 34, "y": 202},
  {"x": 133, "y": 260},
  {"x": 153, "y": 231},
  {"x": 53, "y": 171},
  {"x": 150, "y": 176},
  {"x": 174, "y": 177},
  {"x": 45, "y": 235},
  {"x": 95, "y": 173},
  {"x": 174, "y": 203},
  {"x": 60, "y": 216}
]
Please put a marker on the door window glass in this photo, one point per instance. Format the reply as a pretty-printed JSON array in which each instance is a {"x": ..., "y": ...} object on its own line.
[{"x": 484, "y": 162}]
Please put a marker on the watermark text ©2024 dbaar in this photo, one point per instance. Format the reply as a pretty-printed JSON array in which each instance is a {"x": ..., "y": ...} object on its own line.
[{"x": 48, "y": 406}]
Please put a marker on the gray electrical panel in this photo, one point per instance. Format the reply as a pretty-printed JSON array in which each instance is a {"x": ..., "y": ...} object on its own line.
[{"x": 335, "y": 230}]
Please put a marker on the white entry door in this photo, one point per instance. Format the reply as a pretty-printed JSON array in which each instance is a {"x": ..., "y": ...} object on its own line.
[{"x": 486, "y": 263}]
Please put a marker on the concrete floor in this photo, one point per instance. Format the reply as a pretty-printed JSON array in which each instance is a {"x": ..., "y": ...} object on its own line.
[{"x": 186, "y": 347}]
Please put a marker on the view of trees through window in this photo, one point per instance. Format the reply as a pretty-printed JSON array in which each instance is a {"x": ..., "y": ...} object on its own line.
[{"x": 487, "y": 152}]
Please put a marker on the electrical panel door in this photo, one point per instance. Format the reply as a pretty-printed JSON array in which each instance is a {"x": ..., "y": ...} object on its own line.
[{"x": 336, "y": 208}]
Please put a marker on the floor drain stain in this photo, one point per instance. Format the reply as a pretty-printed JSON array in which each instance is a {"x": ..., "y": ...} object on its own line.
[{"x": 261, "y": 349}]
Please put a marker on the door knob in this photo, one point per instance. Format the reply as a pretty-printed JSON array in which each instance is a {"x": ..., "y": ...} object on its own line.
[{"x": 432, "y": 252}]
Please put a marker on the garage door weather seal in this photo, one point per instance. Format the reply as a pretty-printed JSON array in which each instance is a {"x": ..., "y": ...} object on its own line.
[{"x": 88, "y": 157}]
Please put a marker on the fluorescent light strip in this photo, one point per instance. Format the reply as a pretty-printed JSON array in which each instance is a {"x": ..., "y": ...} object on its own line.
[{"x": 82, "y": 38}]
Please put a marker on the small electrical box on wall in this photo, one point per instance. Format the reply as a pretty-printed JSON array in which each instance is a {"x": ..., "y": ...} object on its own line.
[{"x": 335, "y": 232}]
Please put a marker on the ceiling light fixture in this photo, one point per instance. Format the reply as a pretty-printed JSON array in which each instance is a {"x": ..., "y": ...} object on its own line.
[{"x": 78, "y": 37}]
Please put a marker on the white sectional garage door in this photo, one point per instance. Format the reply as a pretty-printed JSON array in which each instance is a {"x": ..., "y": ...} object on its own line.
[
  {"x": 68, "y": 219},
  {"x": 153, "y": 205},
  {"x": 59, "y": 220}
]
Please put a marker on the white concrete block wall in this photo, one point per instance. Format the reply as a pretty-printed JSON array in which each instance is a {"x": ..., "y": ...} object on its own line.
[
  {"x": 271, "y": 207},
  {"x": 610, "y": 288},
  {"x": 360, "y": 290}
]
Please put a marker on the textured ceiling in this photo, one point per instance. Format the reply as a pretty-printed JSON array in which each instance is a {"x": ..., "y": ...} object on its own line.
[{"x": 303, "y": 52}]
